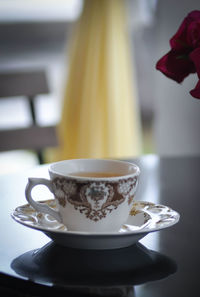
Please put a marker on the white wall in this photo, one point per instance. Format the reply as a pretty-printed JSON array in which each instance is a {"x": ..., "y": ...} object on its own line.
[{"x": 39, "y": 10}]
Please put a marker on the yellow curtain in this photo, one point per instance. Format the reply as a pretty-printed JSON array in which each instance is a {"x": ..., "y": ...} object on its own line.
[{"x": 100, "y": 116}]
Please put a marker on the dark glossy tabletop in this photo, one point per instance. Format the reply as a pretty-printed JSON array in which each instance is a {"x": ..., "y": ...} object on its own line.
[{"x": 164, "y": 263}]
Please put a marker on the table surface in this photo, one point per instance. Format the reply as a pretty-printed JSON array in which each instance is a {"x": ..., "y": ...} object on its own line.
[{"x": 164, "y": 263}]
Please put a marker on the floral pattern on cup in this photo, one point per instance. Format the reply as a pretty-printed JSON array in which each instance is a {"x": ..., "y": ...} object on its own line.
[
  {"x": 94, "y": 199},
  {"x": 127, "y": 188},
  {"x": 63, "y": 190}
]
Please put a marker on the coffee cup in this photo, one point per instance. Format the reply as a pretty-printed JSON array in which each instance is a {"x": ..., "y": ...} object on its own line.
[{"x": 92, "y": 195}]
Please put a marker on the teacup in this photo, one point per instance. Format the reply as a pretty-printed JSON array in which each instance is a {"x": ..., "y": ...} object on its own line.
[{"x": 92, "y": 195}]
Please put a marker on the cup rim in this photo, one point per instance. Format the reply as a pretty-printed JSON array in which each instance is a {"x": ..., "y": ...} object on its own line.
[{"x": 86, "y": 178}]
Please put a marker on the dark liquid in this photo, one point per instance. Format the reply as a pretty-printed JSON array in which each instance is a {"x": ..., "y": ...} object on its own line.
[{"x": 95, "y": 174}]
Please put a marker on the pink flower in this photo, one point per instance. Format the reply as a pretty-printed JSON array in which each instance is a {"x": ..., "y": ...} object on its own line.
[{"x": 184, "y": 56}]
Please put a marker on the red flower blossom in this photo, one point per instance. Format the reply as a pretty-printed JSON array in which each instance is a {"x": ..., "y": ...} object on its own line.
[
  {"x": 195, "y": 57},
  {"x": 184, "y": 56},
  {"x": 175, "y": 65}
]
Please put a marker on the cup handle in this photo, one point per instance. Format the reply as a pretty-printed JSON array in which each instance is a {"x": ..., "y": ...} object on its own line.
[{"x": 32, "y": 182}]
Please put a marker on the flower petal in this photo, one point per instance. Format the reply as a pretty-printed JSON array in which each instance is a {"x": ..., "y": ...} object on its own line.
[
  {"x": 195, "y": 57},
  {"x": 193, "y": 34},
  {"x": 175, "y": 66},
  {"x": 194, "y": 15},
  {"x": 182, "y": 39},
  {"x": 196, "y": 91},
  {"x": 179, "y": 40}
]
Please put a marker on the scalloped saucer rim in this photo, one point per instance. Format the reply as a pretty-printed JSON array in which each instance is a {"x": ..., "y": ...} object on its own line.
[{"x": 155, "y": 220}]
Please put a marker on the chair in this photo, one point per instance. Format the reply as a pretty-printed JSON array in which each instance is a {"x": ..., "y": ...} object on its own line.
[{"x": 35, "y": 137}]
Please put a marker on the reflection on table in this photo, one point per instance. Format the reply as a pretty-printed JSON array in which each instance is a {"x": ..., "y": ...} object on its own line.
[{"x": 93, "y": 271}]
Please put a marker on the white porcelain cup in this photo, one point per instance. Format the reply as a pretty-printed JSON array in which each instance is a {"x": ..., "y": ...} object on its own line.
[{"x": 88, "y": 203}]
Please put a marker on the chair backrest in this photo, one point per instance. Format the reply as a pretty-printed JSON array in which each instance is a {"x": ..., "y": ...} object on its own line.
[
  {"x": 23, "y": 83},
  {"x": 32, "y": 138},
  {"x": 28, "y": 84}
]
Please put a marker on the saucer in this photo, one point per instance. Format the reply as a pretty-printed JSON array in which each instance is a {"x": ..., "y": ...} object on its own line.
[{"x": 145, "y": 217}]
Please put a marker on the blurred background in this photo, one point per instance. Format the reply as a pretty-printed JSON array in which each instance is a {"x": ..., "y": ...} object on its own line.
[{"x": 34, "y": 36}]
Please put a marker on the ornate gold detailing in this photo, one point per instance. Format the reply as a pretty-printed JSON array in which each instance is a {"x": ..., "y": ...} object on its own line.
[
  {"x": 141, "y": 217},
  {"x": 94, "y": 199}
]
